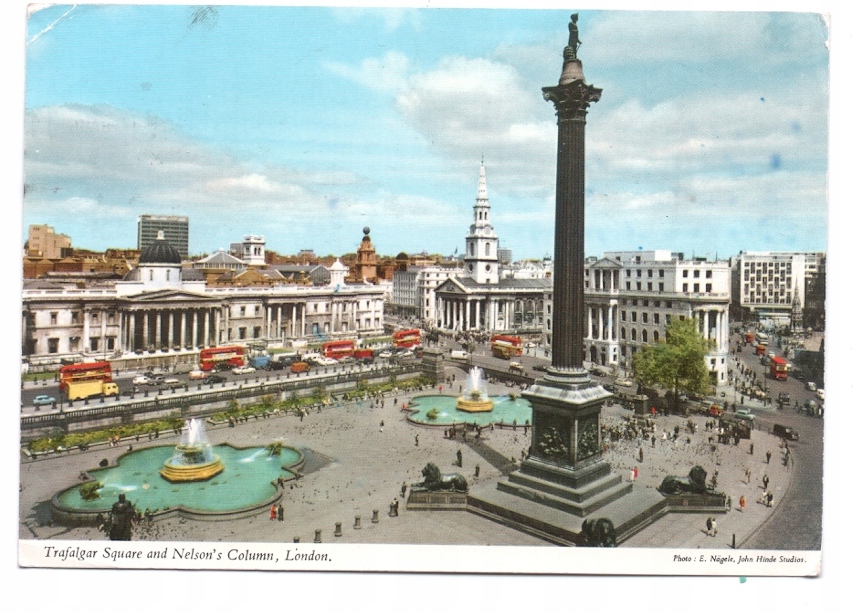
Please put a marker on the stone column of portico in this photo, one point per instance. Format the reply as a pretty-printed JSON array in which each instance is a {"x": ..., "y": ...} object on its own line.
[
  {"x": 170, "y": 329},
  {"x": 184, "y": 315},
  {"x": 85, "y": 342},
  {"x": 206, "y": 340}
]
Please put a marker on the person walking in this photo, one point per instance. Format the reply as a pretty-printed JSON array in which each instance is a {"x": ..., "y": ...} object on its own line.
[
  {"x": 458, "y": 458},
  {"x": 765, "y": 481},
  {"x": 281, "y": 513},
  {"x": 748, "y": 474},
  {"x": 404, "y": 488},
  {"x": 417, "y": 440},
  {"x": 768, "y": 456},
  {"x": 273, "y": 513},
  {"x": 742, "y": 502}
]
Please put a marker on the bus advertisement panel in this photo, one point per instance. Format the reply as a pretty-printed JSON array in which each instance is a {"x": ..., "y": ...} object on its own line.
[
  {"x": 406, "y": 339},
  {"x": 84, "y": 372},
  {"x": 223, "y": 358},
  {"x": 778, "y": 368},
  {"x": 338, "y": 349},
  {"x": 506, "y": 347}
]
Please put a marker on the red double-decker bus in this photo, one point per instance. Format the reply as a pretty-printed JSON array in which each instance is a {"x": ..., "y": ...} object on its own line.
[
  {"x": 406, "y": 339},
  {"x": 778, "y": 368},
  {"x": 84, "y": 371},
  {"x": 338, "y": 349},
  {"x": 223, "y": 358},
  {"x": 506, "y": 347}
]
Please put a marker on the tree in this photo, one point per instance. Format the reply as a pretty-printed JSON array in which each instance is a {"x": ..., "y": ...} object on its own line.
[{"x": 677, "y": 363}]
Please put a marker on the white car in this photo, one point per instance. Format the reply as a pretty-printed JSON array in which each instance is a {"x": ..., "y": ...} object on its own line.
[
  {"x": 385, "y": 354},
  {"x": 197, "y": 374},
  {"x": 243, "y": 370},
  {"x": 141, "y": 380},
  {"x": 172, "y": 383},
  {"x": 820, "y": 394},
  {"x": 327, "y": 361},
  {"x": 623, "y": 383}
]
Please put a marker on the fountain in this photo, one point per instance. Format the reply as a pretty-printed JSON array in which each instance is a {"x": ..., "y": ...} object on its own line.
[
  {"x": 475, "y": 398},
  {"x": 193, "y": 458}
]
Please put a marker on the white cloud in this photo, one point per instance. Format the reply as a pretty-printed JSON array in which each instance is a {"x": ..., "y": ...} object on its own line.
[{"x": 386, "y": 73}]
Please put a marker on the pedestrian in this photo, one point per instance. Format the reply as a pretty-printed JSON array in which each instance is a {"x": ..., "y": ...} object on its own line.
[
  {"x": 281, "y": 482},
  {"x": 709, "y": 526},
  {"x": 653, "y": 441},
  {"x": 748, "y": 474},
  {"x": 641, "y": 454},
  {"x": 751, "y": 448},
  {"x": 273, "y": 512},
  {"x": 417, "y": 440},
  {"x": 742, "y": 502},
  {"x": 770, "y": 499},
  {"x": 631, "y": 476},
  {"x": 281, "y": 513},
  {"x": 458, "y": 458},
  {"x": 635, "y": 473},
  {"x": 765, "y": 481},
  {"x": 404, "y": 488},
  {"x": 476, "y": 472}
]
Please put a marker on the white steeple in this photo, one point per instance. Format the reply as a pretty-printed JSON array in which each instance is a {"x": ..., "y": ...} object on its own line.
[{"x": 481, "y": 260}]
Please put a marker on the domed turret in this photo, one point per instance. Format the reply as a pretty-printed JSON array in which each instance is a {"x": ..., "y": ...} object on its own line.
[{"x": 160, "y": 251}]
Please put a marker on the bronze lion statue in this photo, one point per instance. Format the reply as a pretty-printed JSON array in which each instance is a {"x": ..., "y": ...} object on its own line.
[
  {"x": 597, "y": 533},
  {"x": 695, "y": 483},
  {"x": 436, "y": 482}
]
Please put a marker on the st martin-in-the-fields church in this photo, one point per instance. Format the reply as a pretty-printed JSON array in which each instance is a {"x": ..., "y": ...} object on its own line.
[{"x": 484, "y": 297}]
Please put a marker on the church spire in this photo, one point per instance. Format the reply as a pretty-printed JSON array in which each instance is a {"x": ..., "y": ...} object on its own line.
[{"x": 481, "y": 260}]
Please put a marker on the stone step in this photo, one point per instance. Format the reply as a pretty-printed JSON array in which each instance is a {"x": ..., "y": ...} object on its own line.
[
  {"x": 612, "y": 491},
  {"x": 576, "y": 494}
]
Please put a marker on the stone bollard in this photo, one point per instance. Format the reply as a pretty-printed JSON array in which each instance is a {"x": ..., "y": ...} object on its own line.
[
  {"x": 338, "y": 531},
  {"x": 357, "y": 523},
  {"x": 375, "y": 518},
  {"x": 318, "y": 536},
  {"x": 296, "y": 539}
]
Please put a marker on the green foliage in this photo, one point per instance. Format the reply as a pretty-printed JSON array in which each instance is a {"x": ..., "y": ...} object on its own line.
[
  {"x": 275, "y": 448},
  {"x": 433, "y": 414},
  {"x": 677, "y": 363},
  {"x": 76, "y": 439},
  {"x": 90, "y": 490}
]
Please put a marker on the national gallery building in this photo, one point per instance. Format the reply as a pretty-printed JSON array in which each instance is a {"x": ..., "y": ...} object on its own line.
[{"x": 165, "y": 313}]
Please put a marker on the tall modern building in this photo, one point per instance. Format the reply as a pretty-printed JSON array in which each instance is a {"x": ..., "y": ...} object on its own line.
[{"x": 174, "y": 228}]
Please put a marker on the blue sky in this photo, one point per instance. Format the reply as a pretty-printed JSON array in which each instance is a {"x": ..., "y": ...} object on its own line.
[{"x": 306, "y": 124}]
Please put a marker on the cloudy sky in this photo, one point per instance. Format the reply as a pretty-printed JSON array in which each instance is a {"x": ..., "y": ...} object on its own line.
[{"x": 306, "y": 124}]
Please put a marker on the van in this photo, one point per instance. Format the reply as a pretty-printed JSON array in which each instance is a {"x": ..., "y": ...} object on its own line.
[
  {"x": 300, "y": 367},
  {"x": 457, "y": 354},
  {"x": 785, "y": 432}
]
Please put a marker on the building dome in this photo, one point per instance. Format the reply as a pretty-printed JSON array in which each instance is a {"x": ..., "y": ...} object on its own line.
[{"x": 160, "y": 251}]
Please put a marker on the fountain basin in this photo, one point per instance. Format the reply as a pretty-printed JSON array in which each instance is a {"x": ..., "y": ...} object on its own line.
[
  {"x": 504, "y": 411},
  {"x": 470, "y": 405},
  {"x": 247, "y": 485}
]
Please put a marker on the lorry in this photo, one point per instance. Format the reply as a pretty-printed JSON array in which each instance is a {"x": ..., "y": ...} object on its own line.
[{"x": 90, "y": 389}]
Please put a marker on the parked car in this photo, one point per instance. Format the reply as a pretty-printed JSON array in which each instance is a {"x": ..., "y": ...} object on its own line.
[
  {"x": 785, "y": 432},
  {"x": 243, "y": 370},
  {"x": 784, "y": 398},
  {"x": 141, "y": 380},
  {"x": 172, "y": 383},
  {"x": 157, "y": 380},
  {"x": 540, "y": 367},
  {"x": 744, "y": 414},
  {"x": 324, "y": 361},
  {"x": 197, "y": 374},
  {"x": 276, "y": 365},
  {"x": 43, "y": 400},
  {"x": 623, "y": 382},
  {"x": 385, "y": 354},
  {"x": 211, "y": 379}
]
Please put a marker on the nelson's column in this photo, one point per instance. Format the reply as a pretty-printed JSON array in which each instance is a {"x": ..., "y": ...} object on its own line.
[{"x": 564, "y": 474}]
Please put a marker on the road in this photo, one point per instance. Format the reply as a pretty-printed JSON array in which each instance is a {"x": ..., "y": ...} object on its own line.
[{"x": 803, "y": 504}]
